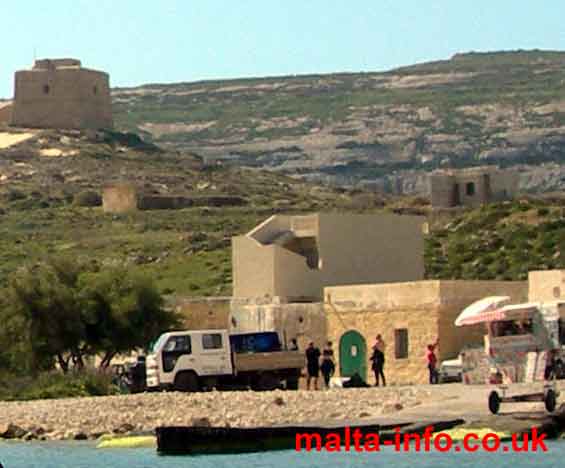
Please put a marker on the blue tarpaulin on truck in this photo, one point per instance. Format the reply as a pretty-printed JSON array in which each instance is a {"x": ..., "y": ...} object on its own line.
[{"x": 259, "y": 342}]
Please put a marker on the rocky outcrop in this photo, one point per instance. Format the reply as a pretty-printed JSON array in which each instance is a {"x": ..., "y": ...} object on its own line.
[
  {"x": 348, "y": 128},
  {"x": 12, "y": 431}
]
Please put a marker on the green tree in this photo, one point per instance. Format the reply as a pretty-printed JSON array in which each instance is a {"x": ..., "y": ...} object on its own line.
[
  {"x": 122, "y": 311},
  {"x": 15, "y": 351},
  {"x": 61, "y": 312},
  {"x": 44, "y": 313}
]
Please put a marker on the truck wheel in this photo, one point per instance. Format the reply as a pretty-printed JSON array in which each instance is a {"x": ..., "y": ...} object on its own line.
[
  {"x": 550, "y": 400},
  {"x": 493, "y": 402},
  {"x": 187, "y": 382},
  {"x": 267, "y": 381}
]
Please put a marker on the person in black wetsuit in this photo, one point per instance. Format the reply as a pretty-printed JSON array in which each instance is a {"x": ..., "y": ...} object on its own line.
[
  {"x": 378, "y": 360},
  {"x": 312, "y": 365},
  {"x": 328, "y": 366}
]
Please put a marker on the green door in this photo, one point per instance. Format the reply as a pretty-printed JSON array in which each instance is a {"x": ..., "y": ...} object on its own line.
[{"x": 353, "y": 355}]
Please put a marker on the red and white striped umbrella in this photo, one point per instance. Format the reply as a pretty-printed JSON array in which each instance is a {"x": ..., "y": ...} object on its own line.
[{"x": 485, "y": 310}]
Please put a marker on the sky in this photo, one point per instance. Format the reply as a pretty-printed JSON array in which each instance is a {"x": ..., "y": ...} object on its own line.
[{"x": 167, "y": 41}]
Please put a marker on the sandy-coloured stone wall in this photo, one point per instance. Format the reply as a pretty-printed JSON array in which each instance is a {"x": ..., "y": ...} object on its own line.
[
  {"x": 204, "y": 313},
  {"x": 546, "y": 286},
  {"x": 295, "y": 257},
  {"x": 61, "y": 94},
  {"x": 306, "y": 322},
  {"x": 5, "y": 112},
  {"x": 426, "y": 309},
  {"x": 119, "y": 198}
]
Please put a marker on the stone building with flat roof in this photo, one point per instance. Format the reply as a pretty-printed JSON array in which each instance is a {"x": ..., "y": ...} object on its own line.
[
  {"x": 409, "y": 316},
  {"x": 61, "y": 94},
  {"x": 472, "y": 187},
  {"x": 295, "y": 257},
  {"x": 280, "y": 267}
]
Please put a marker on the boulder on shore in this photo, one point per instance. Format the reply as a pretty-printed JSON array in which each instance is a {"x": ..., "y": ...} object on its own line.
[{"x": 11, "y": 431}]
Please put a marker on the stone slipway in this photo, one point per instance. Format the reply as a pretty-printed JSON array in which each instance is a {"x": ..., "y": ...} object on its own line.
[{"x": 469, "y": 403}]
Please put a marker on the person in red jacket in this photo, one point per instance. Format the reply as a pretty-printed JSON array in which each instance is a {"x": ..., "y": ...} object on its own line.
[{"x": 431, "y": 359}]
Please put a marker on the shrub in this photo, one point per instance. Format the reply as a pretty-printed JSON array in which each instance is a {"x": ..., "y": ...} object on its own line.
[
  {"x": 14, "y": 194},
  {"x": 55, "y": 384},
  {"x": 75, "y": 384},
  {"x": 29, "y": 204},
  {"x": 524, "y": 207},
  {"x": 88, "y": 198}
]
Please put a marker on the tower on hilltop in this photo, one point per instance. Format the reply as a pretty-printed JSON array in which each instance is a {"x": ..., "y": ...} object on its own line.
[{"x": 60, "y": 93}]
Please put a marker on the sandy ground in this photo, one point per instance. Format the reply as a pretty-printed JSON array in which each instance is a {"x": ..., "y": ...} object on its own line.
[
  {"x": 9, "y": 139},
  {"x": 56, "y": 152},
  {"x": 90, "y": 417}
]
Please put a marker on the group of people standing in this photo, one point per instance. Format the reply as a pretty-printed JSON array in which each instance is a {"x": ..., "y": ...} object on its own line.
[
  {"x": 378, "y": 361},
  {"x": 323, "y": 362},
  {"x": 315, "y": 365}
]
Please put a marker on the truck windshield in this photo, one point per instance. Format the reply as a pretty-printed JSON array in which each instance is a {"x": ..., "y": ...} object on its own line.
[{"x": 158, "y": 343}]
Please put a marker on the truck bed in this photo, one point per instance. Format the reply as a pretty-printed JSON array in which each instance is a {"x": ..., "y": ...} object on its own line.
[{"x": 246, "y": 362}]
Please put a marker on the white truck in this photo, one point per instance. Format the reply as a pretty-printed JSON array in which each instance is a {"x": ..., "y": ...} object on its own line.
[{"x": 193, "y": 360}]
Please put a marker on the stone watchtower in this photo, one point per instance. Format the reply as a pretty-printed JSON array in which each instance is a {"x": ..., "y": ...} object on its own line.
[{"x": 59, "y": 93}]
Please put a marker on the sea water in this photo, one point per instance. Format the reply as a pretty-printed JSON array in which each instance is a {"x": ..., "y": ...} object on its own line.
[{"x": 85, "y": 455}]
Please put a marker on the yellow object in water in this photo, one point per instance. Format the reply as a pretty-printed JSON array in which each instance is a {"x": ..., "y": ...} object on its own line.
[
  {"x": 458, "y": 434},
  {"x": 127, "y": 442}
]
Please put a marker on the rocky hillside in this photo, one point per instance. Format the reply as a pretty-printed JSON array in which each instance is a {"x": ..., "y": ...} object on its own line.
[
  {"x": 50, "y": 196},
  {"x": 386, "y": 129}
]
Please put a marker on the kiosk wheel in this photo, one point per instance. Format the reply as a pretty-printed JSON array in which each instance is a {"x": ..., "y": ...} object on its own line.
[
  {"x": 494, "y": 402},
  {"x": 559, "y": 370},
  {"x": 550, "y": 400}
]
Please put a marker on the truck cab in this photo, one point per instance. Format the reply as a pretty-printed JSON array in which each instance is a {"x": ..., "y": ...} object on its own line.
[{"x": 179, "y": 359}]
